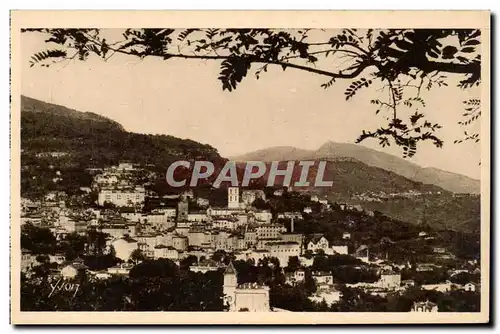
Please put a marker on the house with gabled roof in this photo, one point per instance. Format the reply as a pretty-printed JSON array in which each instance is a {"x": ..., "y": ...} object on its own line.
[{"x": 317, "y": 241}]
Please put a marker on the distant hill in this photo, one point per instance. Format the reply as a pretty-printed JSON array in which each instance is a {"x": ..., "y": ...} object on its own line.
[
  {"x": 277, "y": 153},
  {"x": 95, "y": 140},
  {"x": 82, "y": 140},
  {"x": 355, "y": 169},
  {"x": 30, "y": 105},
  {"x": 351, "y": 176},
  {"x": 449, "y": 181}
]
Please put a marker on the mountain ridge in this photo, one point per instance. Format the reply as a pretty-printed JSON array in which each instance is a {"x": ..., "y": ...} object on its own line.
[
  {"x": 29, "y": 104},
  {"x": 449, "y": 181},
  {"x": 58, "y": 138}
]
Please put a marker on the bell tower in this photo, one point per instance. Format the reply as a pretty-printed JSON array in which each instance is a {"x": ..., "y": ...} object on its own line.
[
  {"x": 233, "y": 197},
  {"x": 230, "y": 285}
]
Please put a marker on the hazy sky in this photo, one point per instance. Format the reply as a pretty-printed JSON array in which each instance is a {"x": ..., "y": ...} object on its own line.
[{"x": 183, "y": 98}]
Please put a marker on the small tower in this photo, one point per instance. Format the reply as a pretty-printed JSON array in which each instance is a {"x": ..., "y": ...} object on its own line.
[
  {"x": 182, "y": 209},
  {"x": 233, "y": 197},
  {"x": 230, "y": 285}
]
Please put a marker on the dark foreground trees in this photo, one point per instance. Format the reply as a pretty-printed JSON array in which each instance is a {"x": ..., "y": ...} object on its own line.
[
  {"x": 152, "y": 286},
  {"x": 160, "y": 285}
]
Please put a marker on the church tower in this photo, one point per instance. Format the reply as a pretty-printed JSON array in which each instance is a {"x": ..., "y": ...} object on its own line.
[
  {"x": 182, "y": 209},
  {"x": 230, "y": 285},
  {"x": 233, "y": 197}
]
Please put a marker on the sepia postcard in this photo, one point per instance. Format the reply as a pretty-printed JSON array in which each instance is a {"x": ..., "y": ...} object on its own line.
[{"x": 250, "y": 167}]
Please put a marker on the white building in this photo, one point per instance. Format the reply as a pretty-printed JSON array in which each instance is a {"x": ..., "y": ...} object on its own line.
[
  {"x": 132, "y": 216},
  {"x": 121, "y": 269},
  {"x": 215, "y": 211},
  {"x": 197, "y": 217},
  {"x": 180, "y": 242},
  {"x": 263, "y": 216},
  {"x": 249, "y": 196},
  {"x": 105, "y": 179},
  {"x": 322, "y": 278},
  {"x": 125, "y": 166},
  {"x": 165, "y": 252},
  {"x": 28, "y": 260},
  {"x": 205, "y": 266},
  {"x": 269, "y": 231},
  {"x": 317, "y": 242},
  {"x": 283, "y": 250},
  {"x": 101, "y": 275},
  {"x": 426, "y": 306},
  {"x": 441, "y": 287},
  {"x": 290, "y": 215},
  {"x": 126, "y": 196},
  {"x": 198, "y": 237},
  {"x": 57, "y": 258},
  {"x": 248, "y": 297},
  {"x": 470, "y": 287},
  {"x": 330, "y": 296},
  {"x": 337, "y": 250},
  {"x": 156, "y": 219},
  {"x": 71, "y": 270},
  {"x": 389, "y": 280},
  {"x": 227, "y": 222},
  {"x": 233, "y": 197},
  {"x": 202, "y": 202},
  {"x": 124, "y": 247},
  {"x": 169, "y": 212},
  {"x": 117, "y": 230},
  {"x": 290, "y": 236},
  {"x": 296, "y": 277}
]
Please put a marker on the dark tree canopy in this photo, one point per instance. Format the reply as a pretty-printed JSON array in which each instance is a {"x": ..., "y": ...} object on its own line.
[{"x": 397, "y": 63}]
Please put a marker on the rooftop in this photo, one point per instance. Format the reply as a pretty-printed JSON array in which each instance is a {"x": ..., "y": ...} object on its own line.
[
  {"x": 251, "y": 286},
  {"x": 230, "y": 270},
  {"x": 277, "y": 243},
  {"x": 426, "y": 303}
]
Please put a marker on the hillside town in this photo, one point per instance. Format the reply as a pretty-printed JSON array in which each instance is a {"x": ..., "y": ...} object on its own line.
[{"x": 264, "y": 259}]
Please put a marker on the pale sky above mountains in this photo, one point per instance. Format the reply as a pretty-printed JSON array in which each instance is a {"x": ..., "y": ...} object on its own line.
[{"x": 183, "y": 98}]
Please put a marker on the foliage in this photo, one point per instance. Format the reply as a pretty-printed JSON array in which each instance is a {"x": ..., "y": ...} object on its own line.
[
  {"x": 188, "y": 261},
  {"x": 137, "y": 256},
  {"x": 37, "y": 240},
  {"x": 293, "y": 264},
  {"x": 290, "y": 298},
  {"x": 96, "y": 241},
  {"x": 160, "y": 289},
  {"x": 472, "y": 113},
  {"x": 402, "y": 62},
  {"x": 357, "y": 300},
  {"x": 444, "y": 211},
  {"x": 261, "y": 204},
  {"x": 72, "y": 246},
  {"x": 464, "y": 278},
  {"x": 345, "y": 269},
  {"x": 100, "y": 262}
]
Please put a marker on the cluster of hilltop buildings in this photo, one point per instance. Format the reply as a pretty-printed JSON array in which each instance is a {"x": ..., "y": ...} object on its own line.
[
  {"x": 174, "y": 231},
  {"x": 238, "y": 228},
  {"x": 381, "y": 196}
]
